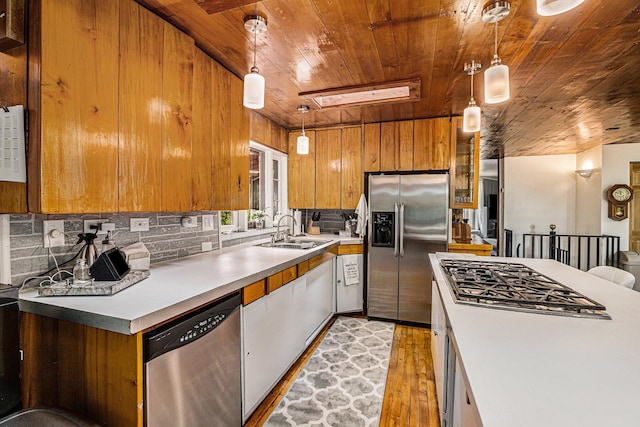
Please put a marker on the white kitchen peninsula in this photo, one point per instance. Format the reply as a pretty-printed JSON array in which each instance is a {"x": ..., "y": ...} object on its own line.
[{"x": 527, "y": 369}]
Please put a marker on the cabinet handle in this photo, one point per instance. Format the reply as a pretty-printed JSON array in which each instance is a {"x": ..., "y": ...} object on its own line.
[
  {"x": 435, "y": 333},
  {"x": 467, "y": 396}
]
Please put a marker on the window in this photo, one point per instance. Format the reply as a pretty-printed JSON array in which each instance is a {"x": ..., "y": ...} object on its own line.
[{"x": 268, "y": 184}]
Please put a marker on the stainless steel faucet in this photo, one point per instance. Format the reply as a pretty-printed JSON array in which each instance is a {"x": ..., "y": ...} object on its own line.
[{"x": 279, "y": 236}]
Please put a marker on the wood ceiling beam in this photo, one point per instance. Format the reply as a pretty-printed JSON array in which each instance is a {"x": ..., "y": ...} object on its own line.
[{"x": 217, "y": 6}]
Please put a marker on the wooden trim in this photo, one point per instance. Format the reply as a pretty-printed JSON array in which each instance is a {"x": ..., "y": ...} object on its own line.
[
  {"x": 274, "y": 282},
  {"x": 320, "y": 259},
  {"x": 289, "y": 274},
  {"x": 303, "y": 267},
  {"x": 351, "y": 249},
  {"x": 253, "y": 292}
]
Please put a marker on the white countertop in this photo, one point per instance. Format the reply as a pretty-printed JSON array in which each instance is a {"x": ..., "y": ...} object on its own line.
[
  {"x": 174, "y": 287},
  {"x": 536, "y": 370}
]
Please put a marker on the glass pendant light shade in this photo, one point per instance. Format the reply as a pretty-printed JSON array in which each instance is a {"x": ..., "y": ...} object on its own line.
[
  {"x": 471, "y": 118},
  {"x": 303, "y": 144},
  {"x": 496, "y": 83},
  {"x": 556, "y": 7},
  {"x": 253, "y": 90},
  {"x": 303, "y": 140}
]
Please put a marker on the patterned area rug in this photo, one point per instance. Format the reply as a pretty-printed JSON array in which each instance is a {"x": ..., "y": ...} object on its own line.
[{"x": 343, "y": 382}]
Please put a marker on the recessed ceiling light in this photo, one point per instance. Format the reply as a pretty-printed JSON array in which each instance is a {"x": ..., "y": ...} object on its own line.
[{"x": 355, "y": 96}]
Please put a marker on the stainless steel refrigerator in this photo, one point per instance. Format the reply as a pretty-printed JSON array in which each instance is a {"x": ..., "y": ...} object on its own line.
[{"x": 408, "y": 219}]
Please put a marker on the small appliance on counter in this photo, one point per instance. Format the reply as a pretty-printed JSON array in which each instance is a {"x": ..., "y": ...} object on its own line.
[{"x": 89, "y": 252}]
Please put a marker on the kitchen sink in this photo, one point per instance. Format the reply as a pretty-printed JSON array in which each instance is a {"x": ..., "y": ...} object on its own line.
[{"x": 295, "y": 244}]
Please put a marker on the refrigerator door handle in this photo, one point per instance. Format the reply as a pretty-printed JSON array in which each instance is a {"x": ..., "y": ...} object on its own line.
[
  {"x": 402, "y": 230},
  {"x": 395, "y": 234}
]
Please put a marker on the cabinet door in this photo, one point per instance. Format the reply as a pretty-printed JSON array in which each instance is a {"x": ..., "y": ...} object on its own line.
[
  {"x": 177, "y": 117},
  {"x": 301, "y": 178},
  {"x": 431, "y": 144},
  {"x": 438, "y": 342},
  {"x": 273, "y": 338},
  {"x": 319, "y": 298},
  {"x": 465, "y": 161},
  {"x": 349, "y": 298},
  {"x": 140, "y": 131},
  {"x": 465, "y": 413},
  {"x": 240, "y": 129},
  {"x": 371, "y": 147},
  {"x": 201, "y": 153},
  {"x": 396, "y": 146},
  {"x": 221, "y": 142},
  {"x": 78, "y": 107},
  {"x": 328, "y": 169},
  {"x": 351, "y": 159}
]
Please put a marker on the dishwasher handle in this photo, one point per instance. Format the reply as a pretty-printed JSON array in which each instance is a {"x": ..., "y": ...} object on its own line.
[{"x": 189, "y": 328}]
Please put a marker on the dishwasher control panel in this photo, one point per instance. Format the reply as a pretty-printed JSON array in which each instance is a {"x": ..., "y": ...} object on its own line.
[
  {"x": 202, "y": 327},
  {"x": 189, "y": 327}
]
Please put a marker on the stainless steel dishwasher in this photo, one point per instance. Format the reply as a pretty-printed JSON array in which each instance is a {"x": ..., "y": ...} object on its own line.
[{"x": 192, "y": 369}]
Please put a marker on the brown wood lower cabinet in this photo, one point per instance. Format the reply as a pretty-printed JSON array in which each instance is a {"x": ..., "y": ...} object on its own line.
[{"x": 90, "y": 371}]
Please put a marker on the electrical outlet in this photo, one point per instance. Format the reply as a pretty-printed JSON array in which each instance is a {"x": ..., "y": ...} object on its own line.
[
  {"x": 53, "y": 233},
  {"x": 189, "y": 221},
  {"x": 207, "y": 222},
  {"x": 207, "y": 246},
  {"x": 138, "y": 224},
  {"x": 95, "y": 226}
]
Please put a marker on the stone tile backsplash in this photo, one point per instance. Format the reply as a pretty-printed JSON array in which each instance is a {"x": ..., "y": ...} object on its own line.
[
  {"x": 166, "y": 239},
  {"x": 330, "y": 220}
]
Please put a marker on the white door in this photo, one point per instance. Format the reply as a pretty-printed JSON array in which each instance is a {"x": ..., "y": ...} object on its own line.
[
  {"x": 319, "y": 298},
  {"x": 349, "y": 298}
]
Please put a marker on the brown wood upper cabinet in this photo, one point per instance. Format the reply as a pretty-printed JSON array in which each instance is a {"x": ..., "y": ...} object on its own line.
[
  {"x": 465, "y": 165},
  {"x": 268, "y": 133},
  {"x": 130, "y": 116},
  {"x": 302, "y": 173},
  {"x": 408, "y": 145}
]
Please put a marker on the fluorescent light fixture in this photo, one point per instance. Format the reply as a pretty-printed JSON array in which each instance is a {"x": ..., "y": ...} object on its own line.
[
  {"x": 556, "y": 7},
  {"x": 355, "y": 96}
]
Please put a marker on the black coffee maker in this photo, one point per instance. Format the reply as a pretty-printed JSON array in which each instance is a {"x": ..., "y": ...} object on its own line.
[{"x": 383, "y": 229}]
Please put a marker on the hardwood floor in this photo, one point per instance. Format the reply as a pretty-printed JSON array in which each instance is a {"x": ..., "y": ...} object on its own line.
[{"x": 410, "y": 395}]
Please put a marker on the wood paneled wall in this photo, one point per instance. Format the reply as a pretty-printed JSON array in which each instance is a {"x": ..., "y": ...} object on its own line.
[{"x": 13, "y": 89}]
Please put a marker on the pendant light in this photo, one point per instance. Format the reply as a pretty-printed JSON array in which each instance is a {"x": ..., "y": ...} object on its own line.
[
  {"x": 555, "y": 7},
  {"x": 303, "y": 140},
  {"x": 496, "y": 78},
  {"x": 471, "y": 119},
  {"x": 254, "y": 82}
]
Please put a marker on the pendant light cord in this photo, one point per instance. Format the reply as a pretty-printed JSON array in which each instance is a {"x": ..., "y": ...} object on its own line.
[
  {"x": 302, "y": 112},
  {"x": 472, "y": 72},
  {"x": 255, "y": 35},
  {"x": 496, "y": 39}
]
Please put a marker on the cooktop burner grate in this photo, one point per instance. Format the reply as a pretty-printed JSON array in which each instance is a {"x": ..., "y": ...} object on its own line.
[{"x": 516, "y": 287}]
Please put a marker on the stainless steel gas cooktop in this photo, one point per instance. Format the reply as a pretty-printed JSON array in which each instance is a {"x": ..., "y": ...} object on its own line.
[{"x": 512, "y": 286}]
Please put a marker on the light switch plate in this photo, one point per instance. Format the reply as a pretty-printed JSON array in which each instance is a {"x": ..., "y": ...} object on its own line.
[
  {"x": 53, "y": 233},
  {"x": 138, "y": 224},
  {"x": 207, "y": 222}
]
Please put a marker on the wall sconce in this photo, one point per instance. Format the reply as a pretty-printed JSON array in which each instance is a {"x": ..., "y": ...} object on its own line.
[
  {"x": 254, "y": 82},
  {"x": 555, "y": 7},
  {"x": 303, "y": 140},
  {"x": 585, "y": 173}
]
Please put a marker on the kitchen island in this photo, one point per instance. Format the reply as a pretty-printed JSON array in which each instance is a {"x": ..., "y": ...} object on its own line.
[
  {"x": 528, "y": 369},
  {"x": 85, "y": 353}
]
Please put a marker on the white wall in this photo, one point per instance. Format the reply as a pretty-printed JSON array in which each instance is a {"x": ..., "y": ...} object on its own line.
[
  {"x": 615, "y": 170},
  {"x": 589, "y": 192},
  {"x": 539, "y": 191}
]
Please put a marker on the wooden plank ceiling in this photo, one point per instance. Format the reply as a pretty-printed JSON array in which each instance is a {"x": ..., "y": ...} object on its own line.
[{"x": 574, "y": 77}]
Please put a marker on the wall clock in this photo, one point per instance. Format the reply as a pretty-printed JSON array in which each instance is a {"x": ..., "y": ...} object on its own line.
[{"x": 618, "y": 197}]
